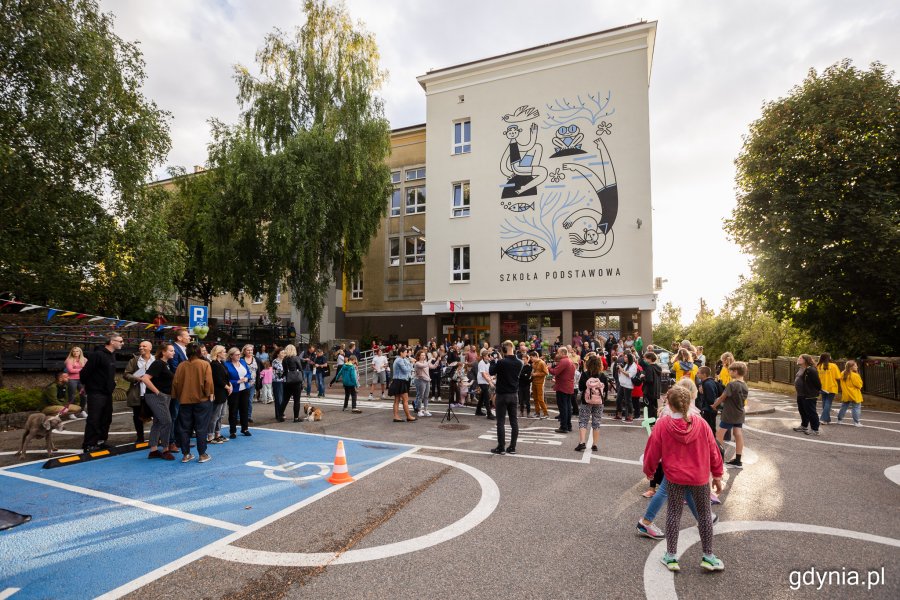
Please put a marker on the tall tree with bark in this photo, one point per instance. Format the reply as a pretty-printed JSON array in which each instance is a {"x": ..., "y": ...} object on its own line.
[
  {"x": 77, "y": 141},
  {"x": 303, "y": 177},
  {"x": 819, "y": 211}
]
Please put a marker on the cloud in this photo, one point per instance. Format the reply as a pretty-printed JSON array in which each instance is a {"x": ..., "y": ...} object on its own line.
[{"x": 715, "y": 63}]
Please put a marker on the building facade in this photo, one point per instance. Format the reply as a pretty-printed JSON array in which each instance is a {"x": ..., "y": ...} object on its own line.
[{"x": 538, "y": 195}]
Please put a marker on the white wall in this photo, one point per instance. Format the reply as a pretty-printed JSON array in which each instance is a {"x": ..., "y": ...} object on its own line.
[{"x": 613, "y": 66}]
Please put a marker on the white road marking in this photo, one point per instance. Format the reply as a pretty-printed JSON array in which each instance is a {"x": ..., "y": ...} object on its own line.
[
  {"x": 81, "y": 433},
  {"x": 163, "y": 510},
  {"x": 624, "y": 461},
  {"x": 793, "y": 410},
  {"x": 893, "y": 473},
  {"x": 490, "y": 498},
  {"x": 8, "y": 592},
  {"x": 816, "y": 440},
  {"x": 56, "y": 454},
  {"x": 659, "y": 582},
  {"x": 206, "y": 550}
]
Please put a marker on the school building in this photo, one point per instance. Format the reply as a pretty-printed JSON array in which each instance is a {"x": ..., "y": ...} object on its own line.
[{"x": 522, "y": 206}]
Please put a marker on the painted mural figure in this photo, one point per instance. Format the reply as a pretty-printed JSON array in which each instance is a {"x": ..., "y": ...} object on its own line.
[
  {"x": 567, "y": 141},
  {"x": 521, "y": 163},
  {"x": 597, "y": 226}
]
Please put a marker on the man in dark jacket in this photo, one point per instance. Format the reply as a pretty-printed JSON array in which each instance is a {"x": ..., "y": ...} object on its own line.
[
  {"x": 652, "y": 382},
  {"x": 506, "y": 376},
  {"x": 99, "y": 379}
]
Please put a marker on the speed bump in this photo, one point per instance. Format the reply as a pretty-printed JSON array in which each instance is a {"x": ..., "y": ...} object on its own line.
[{"x": 98, "y": 454}]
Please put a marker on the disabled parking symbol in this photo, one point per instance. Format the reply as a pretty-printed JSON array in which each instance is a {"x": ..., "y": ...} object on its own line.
[{"x": 283, "y": 471}]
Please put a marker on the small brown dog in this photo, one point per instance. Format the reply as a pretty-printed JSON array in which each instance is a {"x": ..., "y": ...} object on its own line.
[
  {"x": 40, "y": 426},
  {"x": 312, "y": 413}
]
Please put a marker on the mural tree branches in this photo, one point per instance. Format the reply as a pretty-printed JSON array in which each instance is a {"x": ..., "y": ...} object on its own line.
[
  {"x": 818, "y": 207},
  {"x": 303, "y": 177}
]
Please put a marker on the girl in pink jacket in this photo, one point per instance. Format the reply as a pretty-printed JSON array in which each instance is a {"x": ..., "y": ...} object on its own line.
[{"x": 689, "y": 453}]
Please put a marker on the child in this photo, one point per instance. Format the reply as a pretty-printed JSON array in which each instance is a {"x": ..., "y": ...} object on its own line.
[
  {"x": 851, "y": 386},
  {"x": 265, "y": 378},
  {"x": 708, "y": 394},
  {"x": 351, "y": 382},
  {"x": 689, "y": 454},
  {"x": 734, "y": 397}
]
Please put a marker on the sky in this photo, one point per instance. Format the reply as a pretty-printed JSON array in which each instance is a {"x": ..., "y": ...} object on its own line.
[{"x": 715, "y": 63}]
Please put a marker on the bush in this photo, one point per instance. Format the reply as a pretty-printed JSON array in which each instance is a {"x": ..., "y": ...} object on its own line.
[{"x": 18, "y": 399}]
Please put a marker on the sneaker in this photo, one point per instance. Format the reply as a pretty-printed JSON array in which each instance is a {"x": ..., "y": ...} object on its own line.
[
  {"x": 371, "y": 397},
  {"x": 499, "y": 451},
  {"x": 580, "y": 448},
  {"x": 427, "y": 414},
  {"x": 800, "y": 429},
  {"x": 232, "y": 436},
  {"x": 857, "y": 424},
  {"x": 296, "y": 420},
  {"x": 421, "y": 413},
  {"x": 618, "y": 417},
  {"x": 204, "y": 457},
  {"x": 173, "y": 447},
  {"x": 713, "y": 499},
  {"x": 491, "y": 417},
  {"x": 560, "y": 431},
  {"x": 593, "y": 448},
  {"x": 155, "y": 454},
  {"x": 168, "y": 455},
  {"x": 511, "y": 450},
  {"x": 711, "y": 563},
  {"x": 840, "y": 422},
  {"x": 812, "y": 432},
  {"x": 250, "y": 421},
  {"x": 187, "y": 458},
  {"x": 356, "y": 411},
  {"x": 651, "y": 531},
  {"x": 247, "y": 433},
  {"x": 214, "y": 441},
  {"x": 671, "y": 562},
  {"x": 629, "y": 421},
  {"x": 222, "y": 440},
  {"x": 734, "y": 464},
  {"x": 545, "y": 417},
  {"x": 82, "y": 415},
  {"x": 714, "y": 518},
  {"x": 649, "y": 493}
]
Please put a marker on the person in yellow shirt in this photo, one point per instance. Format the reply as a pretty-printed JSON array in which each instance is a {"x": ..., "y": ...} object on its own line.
[
  {"x": 684, "y": 366},
  {"x": 724, "y": 376},
  {"x": 830, "y": 376},
  {"x": 851, "y": 388}
]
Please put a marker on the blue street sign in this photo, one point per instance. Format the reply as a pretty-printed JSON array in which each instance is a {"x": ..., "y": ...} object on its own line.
[{"x": 198, "y": 315}]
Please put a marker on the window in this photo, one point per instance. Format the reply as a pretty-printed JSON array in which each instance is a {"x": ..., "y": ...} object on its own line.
[
  {"x": 461, "y": 199},
  {"x": 394, "y": 252},
  {"x": 462, "y": 137},
  {"x": 460, "y": 263},
  {"x": 414, "y": 174},
  {"x": 395, "y": 177},
  {"x": 395, "y": 203},
  {"x": 415, "y": 250},
  {"x": 257, "y": 300},
  {"x": 278, "y": 293},
  {"x": 356, "y": 289},
  {"x": 415, "y": 200}
]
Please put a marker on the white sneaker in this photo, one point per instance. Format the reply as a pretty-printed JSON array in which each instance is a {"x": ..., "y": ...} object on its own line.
[
  {"x": 857, "y": 424},
  {"x": 421, "y": 413},
  {"x": 427, "y": 414},
  {"x": 82, "y": 415},
  {"x": 371, "y": 397}
]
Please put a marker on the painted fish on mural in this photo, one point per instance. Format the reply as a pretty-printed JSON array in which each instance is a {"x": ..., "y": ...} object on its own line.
[
  {"x": 523, "y": 251},
  {"x": 517, "y": 207}
]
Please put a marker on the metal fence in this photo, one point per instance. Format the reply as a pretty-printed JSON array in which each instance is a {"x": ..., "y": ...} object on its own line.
[{"x": 881, "y": 376}]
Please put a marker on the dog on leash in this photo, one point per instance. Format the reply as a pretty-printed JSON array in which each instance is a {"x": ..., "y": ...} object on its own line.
[
  {"x": 40, "y": 426},
  {"x": 312, "y": 413}
]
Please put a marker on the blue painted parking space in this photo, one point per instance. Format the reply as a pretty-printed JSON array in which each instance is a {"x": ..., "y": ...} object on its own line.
[{"x": 85, "y": 540}]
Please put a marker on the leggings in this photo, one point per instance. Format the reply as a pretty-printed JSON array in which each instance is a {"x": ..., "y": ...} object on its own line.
[{"x": 700, "y": 494}]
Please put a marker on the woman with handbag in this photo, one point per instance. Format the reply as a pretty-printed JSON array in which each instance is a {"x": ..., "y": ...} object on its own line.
[
  {"x": 293, "y": 383},
  {"x": 134, "y": 398},
  {"x": 239, "y": 375},
  {"x": 399, "y": 388},
  {"x": 221, "y": 391},
  {"x": 254, "y": 383}
]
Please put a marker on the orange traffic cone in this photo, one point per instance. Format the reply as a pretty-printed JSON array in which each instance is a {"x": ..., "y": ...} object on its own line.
[{"x": 340, "y": 474}]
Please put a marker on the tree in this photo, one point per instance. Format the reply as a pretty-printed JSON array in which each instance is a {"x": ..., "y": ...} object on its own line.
[
  {"x": 818, "y": 207},
  {"x": 669, "y": 329},
  {"x": 77, "y": 141},
  {"x": 189, "y": 215},
  {"x": 303, "y": 177}
]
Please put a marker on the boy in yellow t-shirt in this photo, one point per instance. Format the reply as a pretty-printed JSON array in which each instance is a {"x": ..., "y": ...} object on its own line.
[{"x": 851, "y": 384}]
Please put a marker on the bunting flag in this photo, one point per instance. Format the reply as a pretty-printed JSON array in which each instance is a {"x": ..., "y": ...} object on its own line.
[
  {"x": 68, "y": 313},
  {"x": 79, "y": 316},
  {"x": 30, "y": 307},
  {"x": 150, "y": 326},
  {"x": 96, "y": 319},
  {"x": 51, "y": 312}
]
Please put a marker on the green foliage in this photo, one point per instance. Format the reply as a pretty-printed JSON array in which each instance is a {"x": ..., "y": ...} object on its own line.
[
  {"x": 818, "y": 208},
  {"x": 303, "y": 181},
  {"x": 77, "y": 141},
  {"x": 13, "y": 400},
  {"x": 669, "y": 329}
]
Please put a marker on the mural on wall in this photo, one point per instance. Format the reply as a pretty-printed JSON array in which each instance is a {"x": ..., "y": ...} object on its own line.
[{"x": 566, "y": 215}]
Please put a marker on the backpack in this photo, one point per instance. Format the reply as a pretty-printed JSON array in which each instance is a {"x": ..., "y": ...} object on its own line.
[
  {"x": 638, "y": 378},
  {"x": 593, "y": 391}
]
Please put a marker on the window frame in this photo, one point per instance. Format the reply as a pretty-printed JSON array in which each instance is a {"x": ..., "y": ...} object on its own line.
[
  {"x": 465, "y": 199},
  {"x": 418, "y": 207},
  {"x": 464, "y": 145},
  {"x": 418, "y": 174},
  {"x": 398, "y": 179},
  {"x": 356, "y": 288},
  {"x": 392, "y": 257},
  {"x": 414, "y": 258},
  {"x": 398, "y": 192},
  {"x": 464, "y": 273}
]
